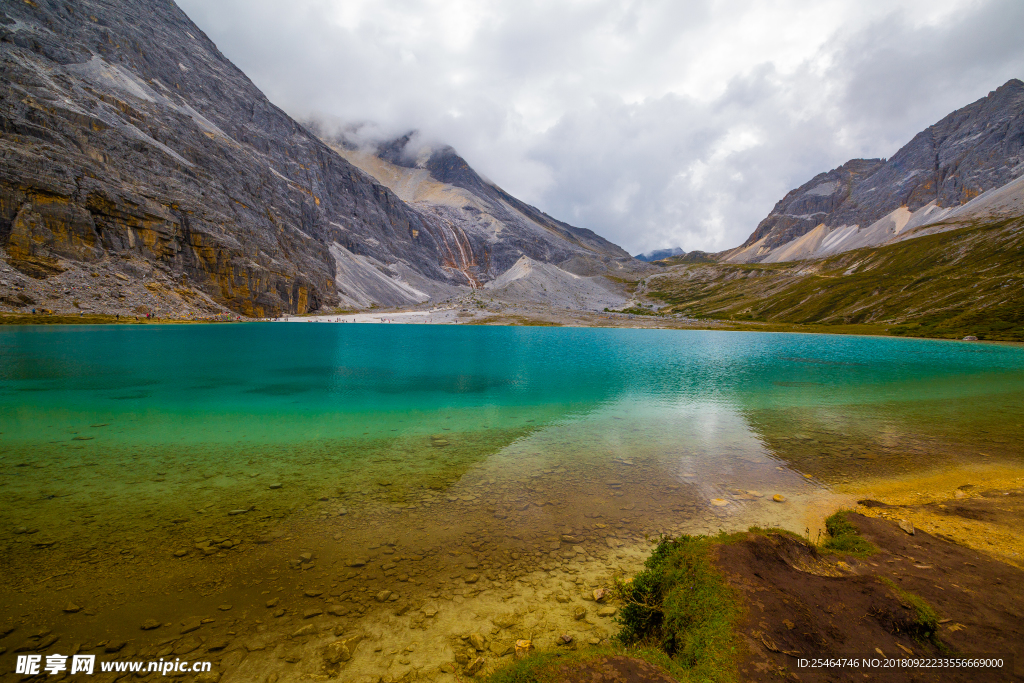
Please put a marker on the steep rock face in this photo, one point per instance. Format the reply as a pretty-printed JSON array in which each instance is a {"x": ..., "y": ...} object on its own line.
[
  {"x": 126, "y": 134},
  {"x": 971, "y": 151},
  {"x": 813, "y": 203},
  {"x": 484, "y": 230}
]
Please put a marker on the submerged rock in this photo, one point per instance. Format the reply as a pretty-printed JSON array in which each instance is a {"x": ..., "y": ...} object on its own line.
[{"x": 341, "y": 650}]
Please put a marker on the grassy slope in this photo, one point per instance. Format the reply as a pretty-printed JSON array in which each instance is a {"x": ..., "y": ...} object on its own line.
[{"x": 966, "y": 281}]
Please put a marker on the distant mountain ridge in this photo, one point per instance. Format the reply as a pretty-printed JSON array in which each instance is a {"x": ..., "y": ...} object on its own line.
[
  {"x": 866, "y": 202},
  {"x": 130, "y": 143},
  {"x": 659, "y": 254}
]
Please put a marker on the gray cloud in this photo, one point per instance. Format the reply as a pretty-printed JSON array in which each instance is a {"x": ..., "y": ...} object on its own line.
[{"x": 655, "y": 123}]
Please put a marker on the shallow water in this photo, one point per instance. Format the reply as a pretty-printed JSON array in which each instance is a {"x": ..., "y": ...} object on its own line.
[{"x": 416, "y": 451}]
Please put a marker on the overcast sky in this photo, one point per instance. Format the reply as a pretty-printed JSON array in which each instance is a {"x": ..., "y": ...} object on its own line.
[{"x": 655, "y": 123}]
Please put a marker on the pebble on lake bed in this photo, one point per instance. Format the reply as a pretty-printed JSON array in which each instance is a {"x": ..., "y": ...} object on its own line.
[
  {"x": 779, "y": 498},
  {"x": 719, "y": 502}
]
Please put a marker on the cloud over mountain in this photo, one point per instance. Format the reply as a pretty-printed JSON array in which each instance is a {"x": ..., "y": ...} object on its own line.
[{"x": 654, "y": 123}]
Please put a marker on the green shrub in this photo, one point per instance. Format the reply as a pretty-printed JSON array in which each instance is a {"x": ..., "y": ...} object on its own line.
[
  {"x": 681, "y": 603},
  {"x": 843, "y": 536}
]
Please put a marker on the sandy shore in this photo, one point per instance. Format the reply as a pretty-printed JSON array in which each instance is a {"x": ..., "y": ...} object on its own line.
[{"x": 433, "y": 316}]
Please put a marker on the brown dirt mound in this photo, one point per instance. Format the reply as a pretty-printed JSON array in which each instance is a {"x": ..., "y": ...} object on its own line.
[{"x": 800, "y": 604}]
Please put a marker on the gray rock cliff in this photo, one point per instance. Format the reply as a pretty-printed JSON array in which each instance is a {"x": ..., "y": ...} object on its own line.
[
  {"x": 974, "y": 149},
  {"x": 125, "y": 135}
]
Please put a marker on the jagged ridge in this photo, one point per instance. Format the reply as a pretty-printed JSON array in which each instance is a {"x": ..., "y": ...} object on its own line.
[{"x": 973, "y": 150}]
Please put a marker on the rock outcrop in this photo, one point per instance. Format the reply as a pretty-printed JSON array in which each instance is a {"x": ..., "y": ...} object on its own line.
[{"x": 866, "y": 202}]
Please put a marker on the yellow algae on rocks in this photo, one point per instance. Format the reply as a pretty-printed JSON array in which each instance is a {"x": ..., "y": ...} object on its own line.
[{"x": 929, "y": 502}]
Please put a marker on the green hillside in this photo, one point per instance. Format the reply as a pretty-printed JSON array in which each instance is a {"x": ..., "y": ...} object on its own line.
[{"x": 968, "y": 281}]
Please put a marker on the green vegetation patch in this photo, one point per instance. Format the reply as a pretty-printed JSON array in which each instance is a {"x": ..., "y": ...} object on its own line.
[
  {"x": 678, "y": 613},
  {"x": 948, "y": 285},
  {"x": 843, "y": 536},
  {"x": 681, "y": 603},
  {"x": 927, "y": 624}
]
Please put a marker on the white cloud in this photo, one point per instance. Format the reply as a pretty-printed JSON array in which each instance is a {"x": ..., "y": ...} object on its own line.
[{"x": 653, "y": 122}]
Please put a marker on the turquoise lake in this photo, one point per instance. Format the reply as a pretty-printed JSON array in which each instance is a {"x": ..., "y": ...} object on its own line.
[
  {"x": 256, "y": 384},
  {"x": 180, "y": 470},
  {"x": 341, "y": 409}
]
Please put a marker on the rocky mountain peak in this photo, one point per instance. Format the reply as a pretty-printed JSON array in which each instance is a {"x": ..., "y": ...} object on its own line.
[
  {"x": 968, "y": 152},
  {"x": 128, "y": 138}
]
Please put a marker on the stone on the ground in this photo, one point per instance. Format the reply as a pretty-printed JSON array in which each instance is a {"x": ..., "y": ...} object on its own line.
[
  {"x": 779, "y": 498},
  {"x": 505, "y": 620},
  {"x": 342, "y": 649},
  {"x": 906, "y": 526},
  {"x": 477, "y": 641},
  {"x": 190, "y": 625}
]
